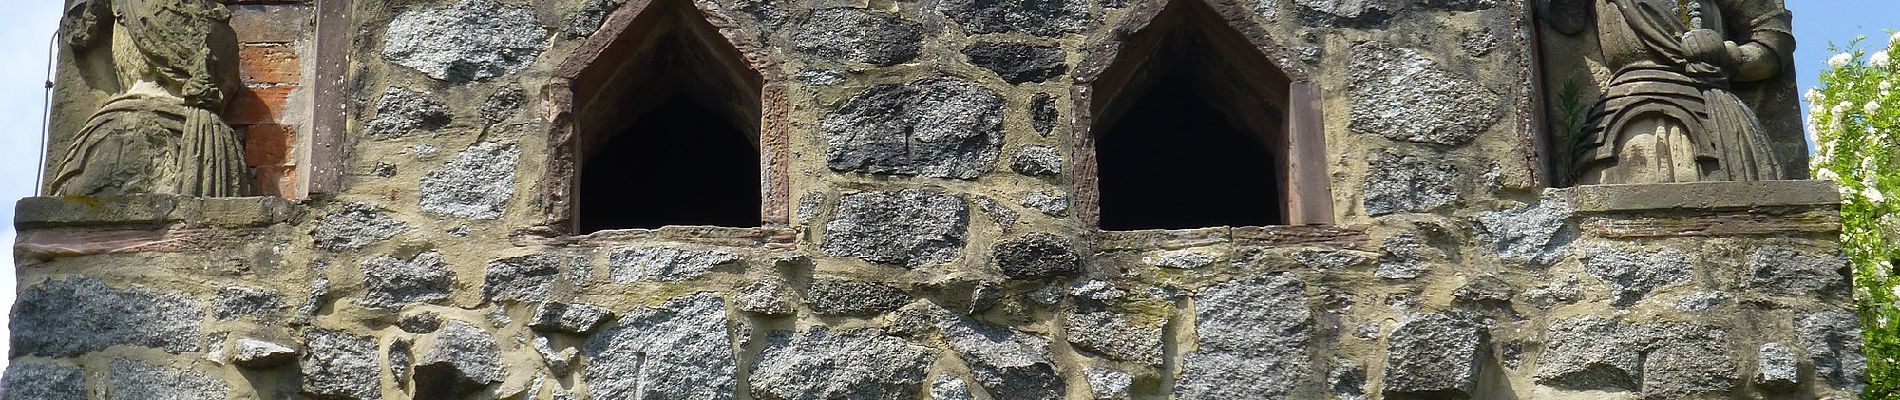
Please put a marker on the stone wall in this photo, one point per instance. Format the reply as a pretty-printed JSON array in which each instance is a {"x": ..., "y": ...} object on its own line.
[{"x": 437, "y": 271}]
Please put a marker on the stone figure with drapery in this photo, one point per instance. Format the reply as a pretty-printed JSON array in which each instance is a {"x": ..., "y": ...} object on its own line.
[
  {"x": 174, "y": 62},
  {"x": 1668, "y": 113}
]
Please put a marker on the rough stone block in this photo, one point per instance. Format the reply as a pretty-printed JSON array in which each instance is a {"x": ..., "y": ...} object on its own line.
[
  {"x": 1108, "y": 384},
  {"x": 403, "y": 111},
  {"x": 1036, "y": 161},
  {"x": 938, "y": 127},
  {"x": 822, "y": 364},
  {"x": 390, "y": 283},
  {"x": 1435, "y": 354},
  {"x": 1012, "y": 364},
  {"x": 1404, "y": 96},
  {"x": 765, "y": 297},
  {"x": 238, "y": 301},
  {"x": 911, "y": 227},
  {"x": 1018, "y": 63},
  {"x": 42, "y": 381},
  {"x": 466, "y": 41},
  {"x": 1832, "y": 340},
  {"x": 476, "y": 184},
  {"x": 1687, "y": 361},
  {"x": 338, "y": 365},
  {"x": 134, "y": 380},
  {"x": 663, "y": 264},
  {"x": 524, "y": 278},
  {"x": 853, "y": 298},
  {"x": 1253, "y": 338},
  {"x": 462, "y": 359},
  {"x": 1777, "y": 368},
  {"x": 1537, "y": 233},
  {"x": 1037, "y": 256},
  {"x": 1590, "y": 353},
  {"x": 1405, "y": 183},
  {"x": 849, "y": 34},
  {"x": 1796, "y": 272},
  {"x": 1039, "y": 18},
  {"x": 1120, "y": 324},
  {"x": 678, "y": 350},
  {"x": 252, "y": 353},
  {"x": 75, "y": 316},
  {"x": 1633, "y": 275},
  {"x": 568, "y": 317},
  {"x": 1050, "y": 203}
]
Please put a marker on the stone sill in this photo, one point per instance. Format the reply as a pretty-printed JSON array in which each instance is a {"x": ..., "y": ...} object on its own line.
[
  {"x": 149, "y": 210},
  {"x": 1704, "y": 196},
  {"x": 766, "y": 237},
  {"x": 1278, "y": 235}
]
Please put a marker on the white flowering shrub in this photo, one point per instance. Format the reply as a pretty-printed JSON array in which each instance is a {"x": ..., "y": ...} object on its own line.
[{"x": 1854, "y": 117}]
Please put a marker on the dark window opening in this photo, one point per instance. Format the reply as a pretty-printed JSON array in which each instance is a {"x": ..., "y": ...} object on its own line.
[
  {"x": 1191, "y": 129},
  {"x": 667, "y": 128},
  {"x": 679, "y": 164}
]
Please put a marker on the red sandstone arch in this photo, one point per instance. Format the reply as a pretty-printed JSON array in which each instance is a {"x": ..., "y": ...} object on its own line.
[{"x": 1112, "y": 65}]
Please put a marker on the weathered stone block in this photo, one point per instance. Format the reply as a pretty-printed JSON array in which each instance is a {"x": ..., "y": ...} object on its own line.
[
  {"x": 390, "y": 283},
  {"x": 1011, "y": 364},
  {"x": 1796, "y": 272},
  {"x": 1535, "y": 233},
  {"x": 252, "y": 353},
  {"x": 338, "y": 365},
  {"x": 1037, "y": 256},
  {"x": 524, "y": 278},
  {"x": 1435, "y": 354},
  {"x": 822, "y": 364},
  {"x": 663, "y": 264},
  {"x": 1018, "y": 63},
  {"x": 466, "y": 41},
  {"x": 1687, "y": 361},
  {"x": 1402, "y": 95},
  {"x": 1777, "y": 368},
  {"x": 849, "y": 34},
  {"x": 938, "y": 127},
  {"x": 1253, "y": 338},
  {"x": 911, "y": 227},
  {"x": 1108, "y": 384},
  {"x": 1832, "y": 340},
  {"x": 1036, "y": 161},
  {"x": 75, "y": 316},
  {"x": 1120, "y": 324},
  {"x": 1040, "y": 18},
  {"x": 238, "y": 301},
  {"x": 765, "y": 297},
  {"x": 568, "y": 317},
  {"x": 1632, "y": 275},
  {"x": 476, "y": 184},
  {"x": 462, "y": 359},
  {"x": 403, "y": 111},
  {"x": 1590, "y": 353},
  {"x": 680, "y": 349},
  {"x": 42, "y": 381},
  {"x": 853, "y": 298},
  {"x": 357, "y": 226},
  {"x": 1405, "y": 183},
  {"x": 134, "y": 380}
]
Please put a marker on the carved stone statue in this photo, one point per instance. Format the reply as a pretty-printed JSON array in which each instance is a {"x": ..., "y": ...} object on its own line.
[
  {"x": 175, "y": 65},
  {"x": 1668, "y": 113}
]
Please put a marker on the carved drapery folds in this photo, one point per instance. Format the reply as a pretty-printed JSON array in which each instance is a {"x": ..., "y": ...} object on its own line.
[
  {"x": 1670, "y": 112},
  {"x": 174, "y": 64}
]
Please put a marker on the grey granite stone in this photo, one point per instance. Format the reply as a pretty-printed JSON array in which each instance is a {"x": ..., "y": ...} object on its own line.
[
  {"x": 1590, "y": 353},
  {"x": 1402, "y": 95},
  {"x": 1253, "y": 338},
  {"x": 853, "y": 298},
  {"x": 1347, "y": 381},
  {"x": 43, "y": 381},
  {"x": 1040, "y": 18},
  {"x": 75, "y": 316},
  {"x": 524, "y": 278},
  {"x": 1182, "y": 259},
  {"x": 1797, "y": 272},
  {"x": 681, "y": 349},
  {"x": 948, "y": 387},
  {"x": 1435, "y": 353},
  {"x": 937, "y": 127},
  {"x": 1002, "y": 215},
  {"x": 403, "y": 111},
  {"x": 823, "y": 364},
  {"x": 237, "y": 301},
  {"x": 390, "y": 283},
  {"x": 1043, "y": 113},
  {"x": 503, "y": 103},
  {"x": 911, "y": 227},
  {"x": 1633, "y": 275},
  {"x": 1777, "y": 368},
  {"x": 764, "y": 297},
  {"x": 1536, "y": 233},
  {"x": 1018, "y": 63},
  {"x": 1037, "y": 256},
  {"x": 1404, "y": 257},
  {"x": 593, "y": 13},
  {"x": 252, "y": 353},
  {"x": 856, "y": 35},
  {"x": 1405, "y": 183},
  {"x": 1011, "y": 364},
  {"x": 339, "y": 365},
  {"x": 466, "y": 41},
  {"x": 421, "y": 322},
  {"x": 1036, "y": 161},
  {"x": 663, "y": 264},
  {"x": 568, "y": 317},
  {"x": 134, "y": 380},
  {"x": 1108, "y": 384},
  {"x": 1050, "y": 203},
  {"x": 357, "y": 226},
  {"x": 462, "y": 359},
  {"x": 1687, "y": 361},
  {"x": 1832, "y": 340},
  {"x": 476, "y": 184},
  {"x": 1125, "y": 324}
]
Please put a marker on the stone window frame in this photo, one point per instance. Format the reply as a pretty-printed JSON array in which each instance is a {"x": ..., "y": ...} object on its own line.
[
  {"x": 596, "y": 59},
  {"x": 1304, "y": 183}
]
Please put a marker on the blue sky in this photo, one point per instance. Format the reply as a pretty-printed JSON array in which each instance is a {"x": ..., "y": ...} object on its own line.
[{"x": 27, "y": 25}]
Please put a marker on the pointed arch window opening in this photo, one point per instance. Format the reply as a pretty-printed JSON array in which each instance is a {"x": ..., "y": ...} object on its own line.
[
  {"x": 1186, "y": 122},
  {"x": 662, "y": 120}
]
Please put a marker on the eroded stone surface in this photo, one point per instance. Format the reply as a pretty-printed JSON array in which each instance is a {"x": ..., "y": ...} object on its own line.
[
  {"x": 462, "y": 359},
  {"x": 589, "y": 19},
  {"x": 850, "y": 34},
  {"x": 466, "y": 41},
  {"x": 1688, "y": 360},
  {"x": 1400, "y": 94},
  {"x": 524, "y": 278},
  {"x": 238, "y": 301},
  {"x": 1040, "y": 18},
  {"x": 390, "y": 282},
  {"x": 42, "y": 381},
  {"x": 1050, "y": 203},
  {"x": 476, "y": 184},
  {"x": 134, "y": 380},
  {"x": 1404, "y": 257},
  {"x": 1795, "y": 272},
  {"x": 948, "y": 387},
  {"x": 1005, "y": 361},
  {"x": 1036, "y": 161},
  {"x": 252, "y": 353},
  {"x": 403, "y": 111},
  {"x": 1119, "y": 323},
  {"x": 357, "y": 226},
  {"x": 1037, "y": 256},
  {"x": 1253, "y": 338},
  {"x": 1042, "y": 113},
  {"x": 1632, "y": 275},
  {"x": 1590, "y": 353},
  {"x": 678, "y": 350},
  {"x": 1018, "y": 63},
  {"x": 1832, "y": 340},
  {"x": 911, "y": 227},
  {"x": 1776, "y": 367},
  {"x": 663, "y": 264},
  {"x": 67, "y": 318},
  {"x": 766, "y": 296},
  {"x": 822, "y": 364},
  {"x": 853, "y": 298},
  {"x": 937, "y": 127},
  {"x": 568, "y": 317},
  {"x": 340, "y": 365},
  {"x": 1536, "y": 233},
  {"x": 1405, "y": 183},
  {"x": 1434, "y": 353},
  {"x": 1108, "y": 384}
]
